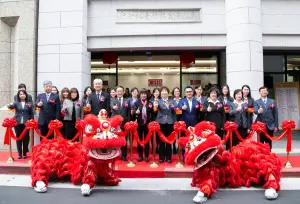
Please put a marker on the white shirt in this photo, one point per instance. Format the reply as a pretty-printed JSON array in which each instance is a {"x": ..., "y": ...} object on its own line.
[
  {"x": 23, "y": 104},
  {"x": 48, "y": 96},
  {"x": 190, "y": 103}
]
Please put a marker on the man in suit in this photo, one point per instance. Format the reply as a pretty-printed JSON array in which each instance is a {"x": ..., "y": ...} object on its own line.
[
  {"x": 201, "y": 99},
  {"x": 49, "y": 105},
  {"x": 121, "y": 106},
  {"x": 100, "y": 99},
  {"x": 23, "y": 87},
  {"x": 267, "y": 112},
  {"x": 190, "y": 107}
]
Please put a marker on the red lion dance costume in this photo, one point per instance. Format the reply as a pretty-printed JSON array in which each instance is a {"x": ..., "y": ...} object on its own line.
[
  {"x": 248, "y": 163},
  {"x": 93, "y": 160}
]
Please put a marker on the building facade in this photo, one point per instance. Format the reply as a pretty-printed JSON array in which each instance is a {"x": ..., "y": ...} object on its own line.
[{"x": 237, "y": 42}]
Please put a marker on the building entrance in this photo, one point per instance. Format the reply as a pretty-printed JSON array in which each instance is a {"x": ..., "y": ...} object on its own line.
[{"x": 150, "y": 70}]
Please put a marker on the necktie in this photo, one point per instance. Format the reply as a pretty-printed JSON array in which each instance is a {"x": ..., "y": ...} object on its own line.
[
  {"x": 265, "y": 101},
  {"x": 73, "y": 112},
  {"x": 119, "y": 102},
  {"x": 98, "y": 96}
]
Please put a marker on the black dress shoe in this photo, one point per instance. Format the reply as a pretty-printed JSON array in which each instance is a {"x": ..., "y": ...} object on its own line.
[
  {"x": 24, "y": 157},
  {"x": 19, "y": 157},
  {"x": 161, "y": 161},
  {"x": 124, "y": 158},
  {"x": 169, "y": 161},
  {"x": 140, "y": 159},
  {"x": 147, "y": 159}
]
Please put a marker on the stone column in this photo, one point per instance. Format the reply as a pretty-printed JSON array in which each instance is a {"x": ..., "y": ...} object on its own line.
[
  {"x": 244, "y": 50},
  {"x": 62, "y": 45}
]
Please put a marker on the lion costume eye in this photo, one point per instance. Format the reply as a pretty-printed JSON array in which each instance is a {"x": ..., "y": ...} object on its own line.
[{"x": 89, "y": 129}]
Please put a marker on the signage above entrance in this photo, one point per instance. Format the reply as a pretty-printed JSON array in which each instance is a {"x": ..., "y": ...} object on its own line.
[
  {"x": 155, "y": 82},
  {"x": 159, "y": 15}
]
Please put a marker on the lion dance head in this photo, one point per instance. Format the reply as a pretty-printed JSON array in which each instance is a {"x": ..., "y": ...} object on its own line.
[{"x": 103, "y": 137}]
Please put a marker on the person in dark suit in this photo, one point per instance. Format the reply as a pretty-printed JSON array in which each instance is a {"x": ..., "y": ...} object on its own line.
[
  {"x": 132, "y": 100},
  {"x": 225, "y": 99},
  {"x": 100, "y": 99},
  {"x": 49, "y": 105},
  {"x": 249, "y": 102},
  {"x": 23, "y": 112},
  {"x": 121, "y": 106},
  {"x": 155, "y": 97},
  {"x": 166, "y": 117},
  {"x": 143, "y": 109},
  {"x": 214, "y": 111},
  {"x": 23, "y": 87},
  {"x": 239, "y": 114},
  {"x": 267, "y": 112},
  {"x": 190, "y": 108},
  {"x": 176, "y": 97},
  {"x": 86, "y": 101},
  {"x": 201, "y": 99}
]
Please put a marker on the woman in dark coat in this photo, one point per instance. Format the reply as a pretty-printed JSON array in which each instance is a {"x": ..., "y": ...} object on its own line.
[
  {"x": 23, "y": 112},
  {"x": 214, "y": 111}
]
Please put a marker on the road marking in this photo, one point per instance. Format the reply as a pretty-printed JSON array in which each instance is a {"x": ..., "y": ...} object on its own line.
[{"x": 152, "y": 184}]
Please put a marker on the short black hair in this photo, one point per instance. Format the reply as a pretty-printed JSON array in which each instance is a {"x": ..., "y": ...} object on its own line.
[
  {"x": 213, "y": 89},
  {"x": 121, "y": 87},
  {"x": 198, "y": 86},
  {"x": 236, "y": 92},
  {"x": 165, "y": 88},
  {"x": 20, "y": 86},
  {"x": 174, "y": 91},
  {"x": 263, "y": 87},
  {"x": 188, "y": 87},
  {"x": 18, "y": 95},
  {"x": 133, "y": 89}
]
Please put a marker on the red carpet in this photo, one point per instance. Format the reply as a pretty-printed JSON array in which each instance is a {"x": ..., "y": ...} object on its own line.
[{"x": 141, "y": 170}]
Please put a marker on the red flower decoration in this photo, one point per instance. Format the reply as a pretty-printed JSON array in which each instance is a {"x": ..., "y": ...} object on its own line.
[
  {"x": 179, "y": 126},
  {"x": 150, "y": 105},
  {"x": 28, "y": 105},
  {"x": 272, "y": 106},
  {"x": 288, "y": 124},
  {"x": 32, "y": 124},
  {"x": 154, "y": 126},
  {"x": 219, "y": 106},
  {"x": 102, "y": 99},
  {"x": 55, "y": 125},
  {"x": 197, "y": 106},
  {"x": 9, "y": 122},
  {"x": 230, "y": 126},
  {"x": 80, "y": 124},
  {"x": 258, "y": 127},
  {"x": 51, "y": 101},
  {"x": 126, "y": 105},
  {"x": 130, "y": 126}
]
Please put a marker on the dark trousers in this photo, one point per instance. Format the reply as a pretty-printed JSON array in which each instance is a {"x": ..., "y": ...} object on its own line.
[
  {"x": 264, "y": 139},
  {"x": 22, "y": 145},
  {"x": 143, "y": 131},
  {"x": 44, "y": 130},
  {"x": 69, "y": 129},
  {"x": 235, "y": 140},
  {"x": 124, "y": 149},
  {"x": 165, "y": 150},
  {"x": 220, "y": 132}
]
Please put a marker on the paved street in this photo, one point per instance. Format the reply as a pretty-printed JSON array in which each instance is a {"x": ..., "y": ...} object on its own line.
[
  {"x": 14, "y": 195},
  {"x": 16, "y": 189}
]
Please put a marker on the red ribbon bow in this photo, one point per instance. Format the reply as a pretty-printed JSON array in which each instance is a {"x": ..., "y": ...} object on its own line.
[
  {"x": 154, "y": 126},
  {"x": 32, "y": 124},
  {"x": 288, "y": 124},
  {"x": 258, "y": 127},
  {"x": 9, "y": 122},
  {"x": 179, "y": 126},
  {"x": 130, "y": 126},
  {"x": 55, "y": 125},
  {"x": 80, "y": 124},
  {"x": 230, "y": 126}
]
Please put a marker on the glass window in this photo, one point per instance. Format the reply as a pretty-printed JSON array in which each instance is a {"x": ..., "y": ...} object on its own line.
[
  {"x": 270, "y": 80},
  {"x": 274, "y": 63},
  {"x": 105, "y": 72},
  {"x": 199, "y": 79},
  {"x": 202, "y": 65},
  {"x": 293, "y": 68}
]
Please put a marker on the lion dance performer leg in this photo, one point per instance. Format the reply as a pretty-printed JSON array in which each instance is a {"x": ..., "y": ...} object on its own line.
[
  {"x": 249, "y": 163},
  {"x": 92, "y": 161}
]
